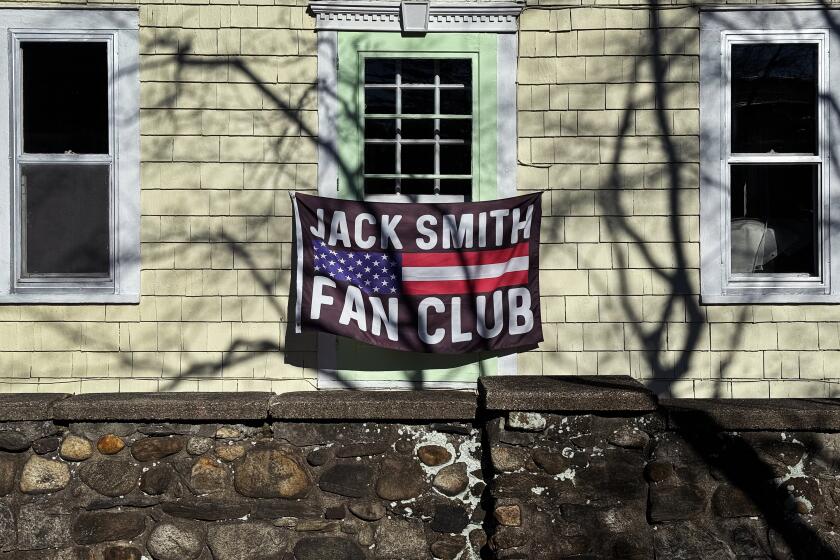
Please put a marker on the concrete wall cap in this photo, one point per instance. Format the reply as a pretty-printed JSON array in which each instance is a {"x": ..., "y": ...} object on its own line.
[
  {"x": 755, "y": 414},
  {"x": 28, "y": 406},
  {"x": 566, "y": 393},
  {"x": 374, "y": 405},
  {"x": 163, "y": 406}
]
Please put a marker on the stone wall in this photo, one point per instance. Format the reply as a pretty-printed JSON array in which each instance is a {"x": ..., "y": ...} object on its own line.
[
  {"x": 628, "y": 478},
  {"x": 535, "y": 468}
]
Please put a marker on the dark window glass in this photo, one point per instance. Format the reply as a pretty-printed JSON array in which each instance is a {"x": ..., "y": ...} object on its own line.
[
  {"x": 455, "y": 71},
  {"x": 65, "y": 97},
  {"x": 462, "y": 187},
  {"x": 456, "y": 129},
  {"x": 66, "y": 225},
  {"x": 417, "y": 186},
  {"x": 455, "y": 101},
  {"x": 381, "y": 129},
  {"x": 380, "y": 186},
  {"x": 418, "y": 101},
  {"x": 380, "y": 158},
  {"x": 382, "y": 101},
  {"x": 418, "y": 71},
  {"x": 455, "y": 159},
  {"x": 773, "y": 228},
  {"x": 774, "y": 98},
  {"x": 381, "y": 71},
  {"x": 418, "y": 128},
  {"x": 418, "y": 158}
]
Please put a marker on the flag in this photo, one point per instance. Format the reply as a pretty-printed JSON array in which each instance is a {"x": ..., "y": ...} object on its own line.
[{"x": 447, "y": 278}]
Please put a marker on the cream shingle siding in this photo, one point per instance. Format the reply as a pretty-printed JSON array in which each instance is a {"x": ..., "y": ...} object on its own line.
[
  {"x": 228, "y": 107},
  {"x": 227, "y": 110},
  {"x": 618, "y": 157}
]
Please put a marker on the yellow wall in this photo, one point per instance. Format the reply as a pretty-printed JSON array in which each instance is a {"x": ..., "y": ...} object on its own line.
[{"x": 228, "y": 103}]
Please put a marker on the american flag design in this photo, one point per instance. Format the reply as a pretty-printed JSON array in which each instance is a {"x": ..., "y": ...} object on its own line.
[
  {"x": 416, "y": 274},
  {"x": 373, "y": 273}
]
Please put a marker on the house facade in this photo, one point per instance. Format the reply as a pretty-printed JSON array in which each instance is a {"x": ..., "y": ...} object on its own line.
[{"x": 690, "y": 197}]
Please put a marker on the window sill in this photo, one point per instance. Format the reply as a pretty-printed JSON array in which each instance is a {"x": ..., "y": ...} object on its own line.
[
  {"x": 53, "y": 298},
  {"x": 752, "y": 299}
]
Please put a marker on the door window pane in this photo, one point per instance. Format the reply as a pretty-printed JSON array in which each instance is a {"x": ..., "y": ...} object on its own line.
[
  {"x": 419, "y": 93},
  {"x": 65, "y": 97},
  {"x": 66, "y": 219},
  {"x": 378, "y": 100},
  {"x": 774, "y": 98},
  {"x": 774, "y": 219}
]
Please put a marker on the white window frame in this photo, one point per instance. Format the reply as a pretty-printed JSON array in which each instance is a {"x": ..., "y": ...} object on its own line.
[
  {"x": 118, "y": 28},
  {"x": 720, "y": 29}
]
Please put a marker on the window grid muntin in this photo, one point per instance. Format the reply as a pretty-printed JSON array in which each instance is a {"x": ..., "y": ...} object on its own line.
[
  {"x": 21, "y": 281},
  {"x": 436, "y": 116},
  {"x": 775, "y": 281}
]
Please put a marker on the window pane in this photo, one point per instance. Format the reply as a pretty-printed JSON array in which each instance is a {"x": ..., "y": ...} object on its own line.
[
  {"x": 455, "y": 159},
  {"x": 380, "y": 186},
  {"x": 456, "y": 71},
  {"x": 380, "y": 71},
  {"x": 417, "y": 186},
  {"x": 380, "y": 129},
  {"x": 418, "y": 71},
  {"x": 418, "y": 101},
  {"x": 774, "y": 98},
  {"x": 380, "y": 101},
  {"x": 65, "y": 97},
  {"x": 418, "y": 158},
  {"x": 380, "y": 158},
  {"x": 418, "y": 128},
  {"x": 462, "y": 187},
  {"x": 774, "y": 218},
  {"x": 66, "y": 225},
  {"x": 455, "y": 102},
  {"x": 456, "y": 129}
]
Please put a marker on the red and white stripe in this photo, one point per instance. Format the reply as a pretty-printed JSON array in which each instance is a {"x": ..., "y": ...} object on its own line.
[{"x": 465, "y": 272}]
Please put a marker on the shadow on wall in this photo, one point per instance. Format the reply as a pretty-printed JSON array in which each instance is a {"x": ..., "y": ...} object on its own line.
[{"x": 281, "y": 139}]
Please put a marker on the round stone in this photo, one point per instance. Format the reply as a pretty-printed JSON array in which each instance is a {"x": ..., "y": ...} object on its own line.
[
  {"x": 510, "y": 516},
  {"x": 369, "y": 511},
  {"x": 154, "y": 448},
  {"x": 347, "y": 479},
  {"x": 630, "y": 437},
  {"x": 400, "y": 480},
  {"x": 229, "y": 452},
  {"x": 42, "y": 476},
  {"x": 45, "y": 445},
  {"x": 318, "y": 457},
  {"x": 110, "y": 477},
  {"x": 228, "y": 432},
  {"x": 11, "y": 440},
  {"x": 110, "y": 444},
  {"x": 75, "y": 448},
  {"x": 156, "y": 480},
  {"x": 93, "y": 527},
  {"x": 199, "y": 445},
  {"x": 449, "y": 519},
  {"x": 271, "y": 472},
  {"x": 434, "y": 455},
  {"x": 452, "y": 480},
  {"x": 169, "y": 541},
  {"x": 207, "y": 476}
]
